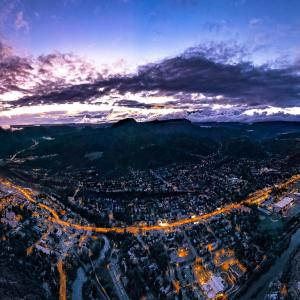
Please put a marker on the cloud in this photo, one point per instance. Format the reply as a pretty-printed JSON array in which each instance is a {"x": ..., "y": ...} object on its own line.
[
  {"x": 190, "y": 84},
  {"x": 215, "y": 27},
  {"x": 193, "y": 72},
  {"x": 45, "y": 74},
  {"x": 242, "y": 114},
  {"x": 255, "y": 22},
  {"x": 20, "y": 22},
  {"x": 133, "y": 104},
  {"x": 5, "y": 50},
  {"x": 7, "y": 8}
]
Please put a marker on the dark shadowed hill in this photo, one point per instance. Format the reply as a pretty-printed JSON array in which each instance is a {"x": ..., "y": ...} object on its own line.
[{"x": 130, "y": 144}]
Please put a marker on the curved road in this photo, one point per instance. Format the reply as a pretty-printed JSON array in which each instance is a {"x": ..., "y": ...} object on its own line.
[{"x": 256, "y": 198}]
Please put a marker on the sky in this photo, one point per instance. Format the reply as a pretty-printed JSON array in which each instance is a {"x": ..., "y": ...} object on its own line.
[{"x": 97, "y": 61}]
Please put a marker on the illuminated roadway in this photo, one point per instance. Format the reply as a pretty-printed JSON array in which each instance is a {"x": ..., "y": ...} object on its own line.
[
  {"x": 255, "y": 198},
  {"x": 62, "y": 281}
]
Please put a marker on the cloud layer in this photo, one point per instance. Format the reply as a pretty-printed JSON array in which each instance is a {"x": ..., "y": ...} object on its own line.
[{"x": 211, "y": 82}]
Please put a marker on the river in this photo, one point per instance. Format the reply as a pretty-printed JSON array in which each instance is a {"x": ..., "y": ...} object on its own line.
[
  {"x": 259, "y": 287},
  {"x": 81, "y": 273}
]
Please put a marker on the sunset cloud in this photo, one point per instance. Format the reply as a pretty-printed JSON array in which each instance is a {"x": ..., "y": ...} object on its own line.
[
  {"x": 205, "y": 82},
  {"x": 21, "y": 23}
]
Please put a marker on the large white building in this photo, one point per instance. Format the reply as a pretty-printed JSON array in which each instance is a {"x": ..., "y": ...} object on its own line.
[
  {"x": 213, "y": 287},
  {"x": 283, "y": 204}
]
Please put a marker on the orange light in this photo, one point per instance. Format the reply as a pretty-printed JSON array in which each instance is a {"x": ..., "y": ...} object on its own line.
[
  {"x": 62, "y": 281},
  {"x": 182, "y": 252}
]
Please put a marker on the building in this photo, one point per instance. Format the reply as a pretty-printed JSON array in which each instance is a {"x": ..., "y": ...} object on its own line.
[
  {"x": 296, "y": 197},
  {"x": 284, "y": 204},
  {"x": 213, "y": 287}
]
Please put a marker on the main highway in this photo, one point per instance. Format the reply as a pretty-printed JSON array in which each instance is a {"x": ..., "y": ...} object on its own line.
[{"x": 255, "y": 198}]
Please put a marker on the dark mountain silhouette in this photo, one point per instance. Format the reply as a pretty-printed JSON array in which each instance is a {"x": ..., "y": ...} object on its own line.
[{"x": 130, "y": 144}]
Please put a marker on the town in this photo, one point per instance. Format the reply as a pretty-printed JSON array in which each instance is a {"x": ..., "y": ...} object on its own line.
[{"x": 199, "y": 250}]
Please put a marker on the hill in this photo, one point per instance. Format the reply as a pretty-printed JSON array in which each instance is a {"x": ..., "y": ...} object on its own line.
[{"x": 130, "y": 144}]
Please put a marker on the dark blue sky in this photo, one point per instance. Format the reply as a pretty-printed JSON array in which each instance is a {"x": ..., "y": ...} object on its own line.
[
  {"x": 137, "y": 30},
  {"x": 103, "y": 60}
]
